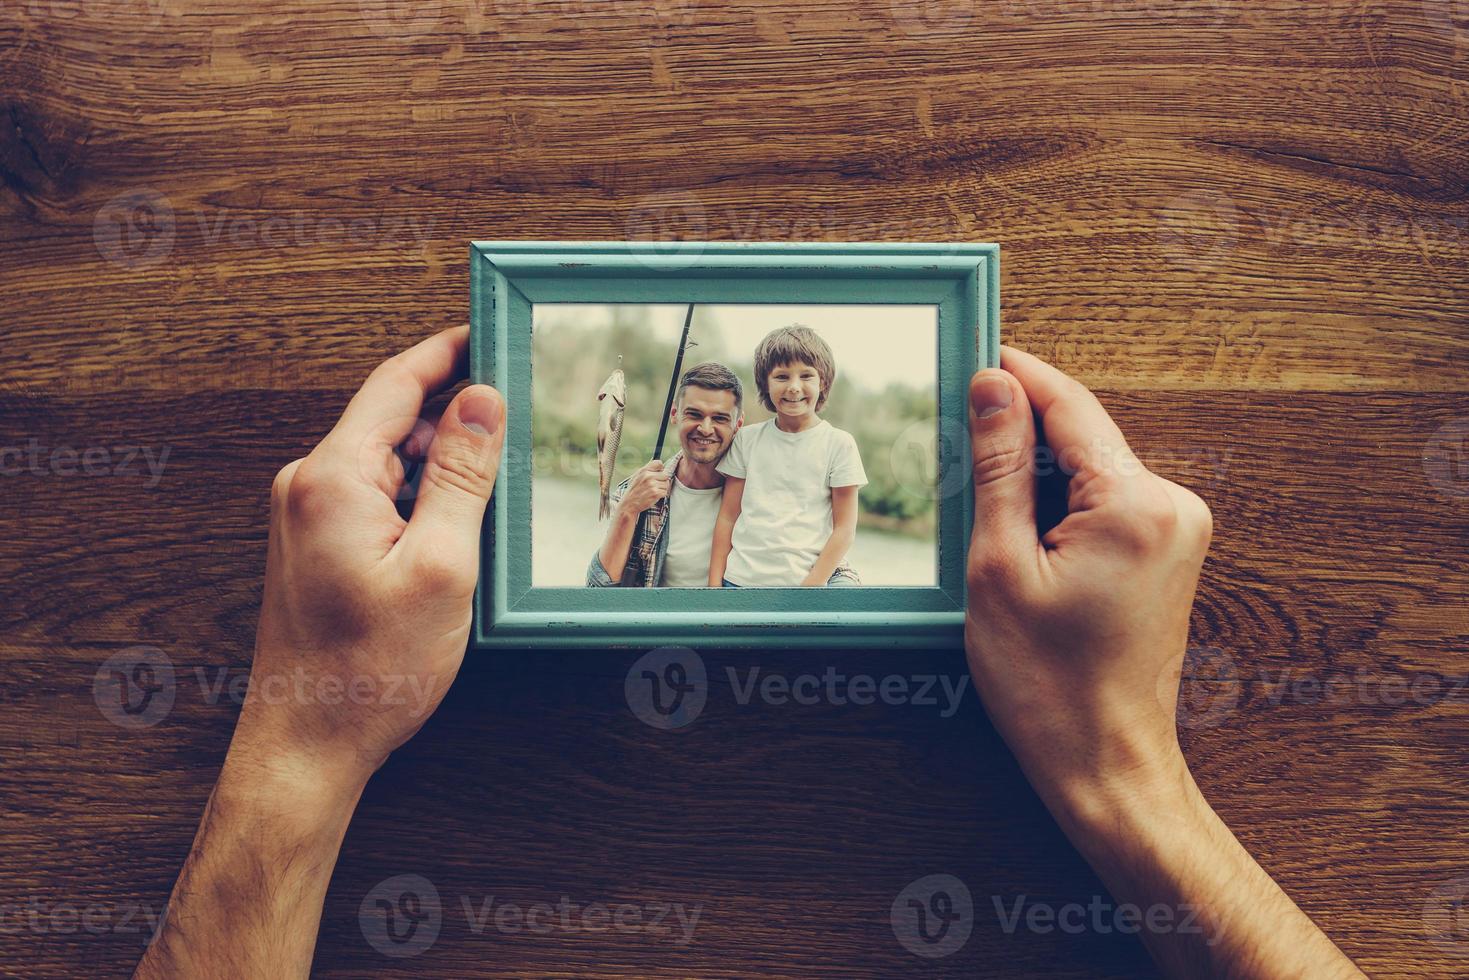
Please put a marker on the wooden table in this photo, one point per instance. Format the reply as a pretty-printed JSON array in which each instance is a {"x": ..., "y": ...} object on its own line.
[{"x": 1244, "y": 224}]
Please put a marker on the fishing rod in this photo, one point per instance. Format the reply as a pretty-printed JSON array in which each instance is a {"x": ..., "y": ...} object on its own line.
[{"x": 683, "y": 345}]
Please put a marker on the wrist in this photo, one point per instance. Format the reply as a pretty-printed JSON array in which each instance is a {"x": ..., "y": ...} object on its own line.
[
  {"x": 313, "y": 781},
  {"x": 1104, "y": 812}
]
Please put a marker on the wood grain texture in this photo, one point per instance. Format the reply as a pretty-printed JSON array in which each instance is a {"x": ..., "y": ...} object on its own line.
[{"x": 1244, "y": 224}]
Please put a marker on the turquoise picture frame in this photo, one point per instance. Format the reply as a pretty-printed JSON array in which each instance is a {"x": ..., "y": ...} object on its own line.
[{"x": 508, "y": 278}]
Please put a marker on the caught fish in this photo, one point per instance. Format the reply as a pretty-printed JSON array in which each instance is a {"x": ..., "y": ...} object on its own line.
[{"x": 613, "y": 397}]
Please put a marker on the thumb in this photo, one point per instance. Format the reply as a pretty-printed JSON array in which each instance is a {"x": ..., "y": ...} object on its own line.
[
  {"x": 1002, "y": 444},
  {"x": 457, "y": 481}
]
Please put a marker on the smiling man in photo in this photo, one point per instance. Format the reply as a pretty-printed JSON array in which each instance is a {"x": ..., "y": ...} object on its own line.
[{"x": 661, "y": 530}]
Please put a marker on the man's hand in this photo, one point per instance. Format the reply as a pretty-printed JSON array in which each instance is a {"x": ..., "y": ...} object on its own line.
[
  {"x": 1069, "y": 631},
  {"x": 364, "y": 625},
  {"x": 1075, "y": 636},
  {"x": 648, "y": 485},
  {"x": 354, "y": 594}
]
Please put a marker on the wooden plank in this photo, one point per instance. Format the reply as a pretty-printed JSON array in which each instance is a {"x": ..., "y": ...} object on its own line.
[
  {"x": 1309, "y": 219},
  {"x": 547, "y": 785},
  {"x": 1244, "y": 224},
  {"x": 1338, "y": 548}
]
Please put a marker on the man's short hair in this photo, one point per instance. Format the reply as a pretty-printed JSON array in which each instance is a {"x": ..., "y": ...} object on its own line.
[
  {"x": 715, "y": 377},
  {"x": 796, "y": 342}
]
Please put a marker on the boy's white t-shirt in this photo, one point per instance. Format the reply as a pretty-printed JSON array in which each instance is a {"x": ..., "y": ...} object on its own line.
[
  {"x": 785, "y": 512},
  {"x": 690, "y": 530}
]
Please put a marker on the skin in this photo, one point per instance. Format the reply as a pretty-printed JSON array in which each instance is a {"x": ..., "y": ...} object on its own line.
[
  {"x": 796, "y": 390},
  {"x": 1075, "y": 636},
  {"x": 705, "y": 422},
  {"x": 353, "y": 593},
  {"x": 1075, "y": 639}
]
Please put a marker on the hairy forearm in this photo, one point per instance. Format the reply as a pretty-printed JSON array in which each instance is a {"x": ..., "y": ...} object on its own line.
[
  {"x": 1216, "y": 913},
  {"x": 248, "y": 901},
  {"x": 617, "y": 543}
]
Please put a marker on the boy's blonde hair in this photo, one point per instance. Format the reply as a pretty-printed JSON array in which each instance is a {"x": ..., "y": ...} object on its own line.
[{"x": 794, "y": 343}]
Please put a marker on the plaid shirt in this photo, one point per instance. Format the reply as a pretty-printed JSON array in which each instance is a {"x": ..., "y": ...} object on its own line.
[
  {"x": 649, "y": 544},
  {"x": 645, "y": 555}
]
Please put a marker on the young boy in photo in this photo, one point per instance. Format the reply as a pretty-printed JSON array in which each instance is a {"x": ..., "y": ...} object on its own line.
[{"x": 789, "y": 512}]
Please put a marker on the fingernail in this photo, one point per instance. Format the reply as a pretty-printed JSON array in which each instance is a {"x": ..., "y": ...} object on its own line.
[
  {"x": 990, "y": 395},
  {"x": 481, "y": 414}
]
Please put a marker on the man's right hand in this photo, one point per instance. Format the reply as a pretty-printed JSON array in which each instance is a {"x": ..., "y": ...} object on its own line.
[
  {"x": 649, "y": 484},
  {"x": 1076, "y": 637},
  {"x": 1076, "y": 634}
]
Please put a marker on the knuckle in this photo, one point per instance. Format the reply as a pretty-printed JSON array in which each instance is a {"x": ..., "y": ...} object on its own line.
[
  {"x": 458, "y": 466},
  {"x": 1151, "y": 518},
  {"x": 1195, "y": 517},
  {"x": 983, "y": 566},
  {"x": 1073, "y": 389},
  {"x": 280, "y": 487},
  {"x": 311, "y": 492},
  {"x": 393, "y": 370},
  {"x": 993, "y": 571},
  {"x": 437, "y": 575},
  {"x": 999, "y": 461}
]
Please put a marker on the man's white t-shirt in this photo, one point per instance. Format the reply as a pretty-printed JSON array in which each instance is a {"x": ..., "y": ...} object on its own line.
[
  {"x": 690, "y": 530},
  {"x": 785, "y": 512}
]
